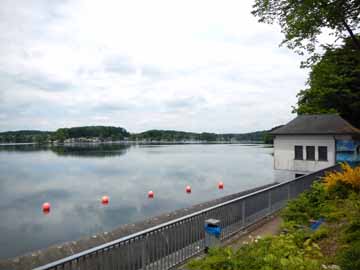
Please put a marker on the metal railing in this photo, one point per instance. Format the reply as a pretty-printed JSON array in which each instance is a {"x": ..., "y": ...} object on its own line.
[{"x": 169, "y": 244}]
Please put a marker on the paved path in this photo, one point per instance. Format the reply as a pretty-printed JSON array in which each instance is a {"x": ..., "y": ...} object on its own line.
[{"x": 267, "y": 227}]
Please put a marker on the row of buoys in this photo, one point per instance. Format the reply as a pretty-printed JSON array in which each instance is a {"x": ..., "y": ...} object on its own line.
[{"x": 105, "y": 199}]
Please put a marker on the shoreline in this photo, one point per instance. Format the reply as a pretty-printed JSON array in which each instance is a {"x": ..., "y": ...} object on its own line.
[{"x": 137, "y": 143}]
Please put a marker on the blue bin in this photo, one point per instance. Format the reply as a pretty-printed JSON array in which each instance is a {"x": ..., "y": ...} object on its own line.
[{"x": 212, "y": 233}]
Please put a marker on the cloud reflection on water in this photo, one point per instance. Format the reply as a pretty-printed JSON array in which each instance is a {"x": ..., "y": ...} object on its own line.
[{"x": 74, "y": 178}]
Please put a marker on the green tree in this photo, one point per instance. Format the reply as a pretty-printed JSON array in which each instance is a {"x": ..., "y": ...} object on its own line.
[
  {"x": 302, "y": 21},
  {"x": 334, "y": 85}
]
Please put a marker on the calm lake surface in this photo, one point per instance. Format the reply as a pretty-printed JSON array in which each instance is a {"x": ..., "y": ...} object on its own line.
[{"x": 74, "y": 178}]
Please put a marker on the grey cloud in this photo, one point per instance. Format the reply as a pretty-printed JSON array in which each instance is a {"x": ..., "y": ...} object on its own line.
[
  {"x": 111, "y": 108},
  {"x": 153, "y": 72},
  {"x": 35, "y": 80},
  {"x": 188, "y": 103},
  {"x": 42, "y": 82},
  {"x": 119, "y": 64},
  {"x": 17, "y": 19}
]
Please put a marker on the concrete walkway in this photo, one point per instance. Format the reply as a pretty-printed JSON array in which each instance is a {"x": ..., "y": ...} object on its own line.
[{"x": 267, "y": 227}]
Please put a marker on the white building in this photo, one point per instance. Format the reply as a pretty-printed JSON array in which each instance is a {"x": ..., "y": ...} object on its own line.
[{"x": 313, "y": 142}]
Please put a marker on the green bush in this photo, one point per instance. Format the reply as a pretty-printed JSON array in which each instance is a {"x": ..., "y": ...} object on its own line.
[
  {"x": 309, "y": 205},
  {"x": 278, "y": 252},
  {"x": 339, "y": 190},
  {"x": 321, "y": 233},
  {"x": 349, "y": 258},
  {"x": 352, "y": 232}
]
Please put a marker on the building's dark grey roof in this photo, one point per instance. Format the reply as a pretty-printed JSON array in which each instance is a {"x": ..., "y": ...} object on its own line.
[{"x": 317, "y": 124}]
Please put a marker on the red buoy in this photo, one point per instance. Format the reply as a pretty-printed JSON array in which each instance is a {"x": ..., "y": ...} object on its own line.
[
  {"x": 188, "y": 189},
  {"x": 105, "y": 200},
  {"x": 221, "y": 185},
  {"x": 46, "y": 207},
  {"x": 150, "y": 194}
]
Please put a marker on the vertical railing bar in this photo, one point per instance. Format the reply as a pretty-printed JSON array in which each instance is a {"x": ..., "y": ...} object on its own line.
[
  {"x": 243, "y": 213},
  {"x": 99, "y": 258},
  {"x": 185, "y": 245},
  {"x": 176, "y": 251},
  {"x": 188, "y": 236},
  {"x": 269, "y": 201},
  {"x": 289, "y": 194},
  {"x": 230, "y": 218},
  {"x": 161, "y": 248},
  {"x": 108, "y": 259},
  {"x": 178, "y": 237},
  {"x": 239, "y": 214},
  {"x": 156, "y": 251},
  {"x": 105, "y": 258},
  {"x": 132, "y": 257},
  {"x": 95, "y": 260},
  {"x": 164, "y": 237},
  {"x": 120, "y": 256},
  {"x": 151, "y": 250},
  {"x": 140, "y": 252},
  {"x": 185, "y": 233},
  {"x": 173, "y": 245},
  {"x": 169, "y": 246},
  {"x": 181, "y": 238},
  {"x": 222, "y": 216},
  {"x": 166, "y": 247},
  {"x": 197, "y": 233},
  {"x": 191, "y": 236},
  {"x": 158, "y": 248},
  {"x": 114, "y": 256},
  {"x": 134, "y": 253},
  {"x": 128, "y": 257},
  {"x": 143, "y": 252}
]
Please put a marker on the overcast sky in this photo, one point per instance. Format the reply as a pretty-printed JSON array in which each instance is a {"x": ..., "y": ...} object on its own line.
[{"x": 162, "y": 64}]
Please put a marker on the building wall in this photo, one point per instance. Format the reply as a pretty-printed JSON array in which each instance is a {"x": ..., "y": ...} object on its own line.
[
  {"x": 285, "y": 175},
  {"x": 284, "y": 154}
]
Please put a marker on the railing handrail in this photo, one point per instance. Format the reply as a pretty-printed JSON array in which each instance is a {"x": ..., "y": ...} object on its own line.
[{"x": 168, "y": 223}]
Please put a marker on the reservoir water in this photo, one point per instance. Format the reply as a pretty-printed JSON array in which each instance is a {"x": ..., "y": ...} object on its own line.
[{"x": 74, "y": 178}]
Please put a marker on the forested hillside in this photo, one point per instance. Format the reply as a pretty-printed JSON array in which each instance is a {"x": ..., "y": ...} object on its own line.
[{"x": 109, "y": 133}]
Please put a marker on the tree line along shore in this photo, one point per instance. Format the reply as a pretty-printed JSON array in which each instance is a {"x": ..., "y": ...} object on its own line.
[{"x": 97, "y": 134}]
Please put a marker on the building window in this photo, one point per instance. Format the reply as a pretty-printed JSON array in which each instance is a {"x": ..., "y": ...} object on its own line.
[
  {"x": 322, "y": 153},
  {"x": 310, "y": 152},
  {"x": 299, "y": 175},
  {"x": 299, "y": 152}
]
